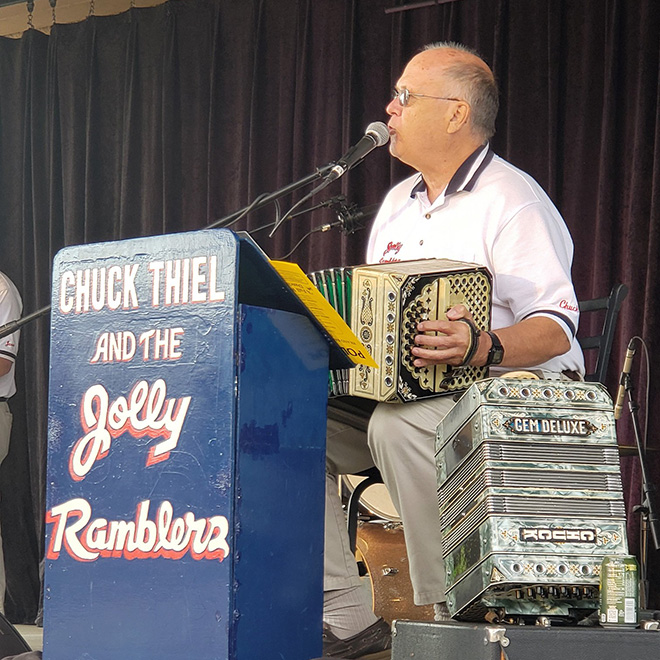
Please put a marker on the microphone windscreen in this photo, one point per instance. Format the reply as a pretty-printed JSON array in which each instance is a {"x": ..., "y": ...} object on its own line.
[{"x": 379, "y": 132}]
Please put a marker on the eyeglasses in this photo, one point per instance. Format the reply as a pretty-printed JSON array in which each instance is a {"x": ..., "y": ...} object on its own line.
[{"x": 403, "y": 96}]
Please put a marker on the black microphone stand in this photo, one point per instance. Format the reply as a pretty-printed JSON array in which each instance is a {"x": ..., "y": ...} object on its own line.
[
  {"x": 12, "y": 326},
  {"x": 267, "y": 198},
  {"x": 259, "y": 202},
  {"x": 647, "y": 508}
]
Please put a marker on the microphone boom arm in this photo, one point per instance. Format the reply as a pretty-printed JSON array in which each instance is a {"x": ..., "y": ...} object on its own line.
[
  {"x": 267, "y": 198},
  {"x": 13, "y": 326},
  {"x": 376, "y": 135}
]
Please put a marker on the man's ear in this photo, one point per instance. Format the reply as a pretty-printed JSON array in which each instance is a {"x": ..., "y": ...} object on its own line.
[{"x": 459, "y": 118}]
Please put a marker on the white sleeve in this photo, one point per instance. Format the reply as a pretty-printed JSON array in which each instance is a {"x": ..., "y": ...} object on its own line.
[
  {"x": 10, "y": 310},
  {"x": 532, "y": 256}
]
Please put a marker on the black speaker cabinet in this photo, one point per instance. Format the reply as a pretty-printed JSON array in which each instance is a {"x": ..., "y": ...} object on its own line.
[{"x": 454, "y": 640}]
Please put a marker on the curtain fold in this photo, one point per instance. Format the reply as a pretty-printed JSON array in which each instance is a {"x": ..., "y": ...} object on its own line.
[{"x": 165, "y": 119}]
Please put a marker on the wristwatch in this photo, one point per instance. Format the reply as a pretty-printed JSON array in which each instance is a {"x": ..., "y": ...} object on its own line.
[{"x": 496, "y": 352}]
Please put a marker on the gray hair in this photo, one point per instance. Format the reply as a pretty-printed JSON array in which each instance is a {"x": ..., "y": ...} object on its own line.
[{"x": 476, "y": 85}]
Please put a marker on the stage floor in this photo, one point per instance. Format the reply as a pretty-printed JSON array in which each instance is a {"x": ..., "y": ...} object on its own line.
[{"x": 33, "y": 635}]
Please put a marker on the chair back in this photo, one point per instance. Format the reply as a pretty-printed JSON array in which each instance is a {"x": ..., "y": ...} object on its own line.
[{"x": 602, "y": 343}]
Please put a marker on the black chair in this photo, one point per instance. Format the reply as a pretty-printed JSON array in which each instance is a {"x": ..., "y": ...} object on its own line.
[
  {"x": 601, "y": 343},
  {"x": 355, "y": 412}
]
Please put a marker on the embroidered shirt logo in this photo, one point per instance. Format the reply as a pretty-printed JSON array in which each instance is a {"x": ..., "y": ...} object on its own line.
[{"x": 390, "y": 252}]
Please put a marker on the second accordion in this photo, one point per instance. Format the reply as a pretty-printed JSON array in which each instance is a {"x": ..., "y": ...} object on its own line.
[{"x": 383, "y": 303}]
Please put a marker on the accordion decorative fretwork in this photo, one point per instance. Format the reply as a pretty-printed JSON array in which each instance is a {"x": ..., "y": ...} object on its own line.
[{"x": 384, "y": 303}]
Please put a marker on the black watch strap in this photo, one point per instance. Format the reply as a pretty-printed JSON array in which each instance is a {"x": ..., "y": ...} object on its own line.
[{"x": 496, "y": 352}]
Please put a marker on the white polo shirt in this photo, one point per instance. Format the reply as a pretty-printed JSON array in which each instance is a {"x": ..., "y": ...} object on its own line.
[
  {"x": 495, "y": 215},
  {"x": 11, "y": 308}
]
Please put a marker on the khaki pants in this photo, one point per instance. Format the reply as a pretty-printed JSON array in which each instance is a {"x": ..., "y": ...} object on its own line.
[{"x": 401, "y": 442}]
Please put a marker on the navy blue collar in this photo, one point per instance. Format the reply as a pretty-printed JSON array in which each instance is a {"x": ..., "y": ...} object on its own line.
[{"x": 459, "y": 181}]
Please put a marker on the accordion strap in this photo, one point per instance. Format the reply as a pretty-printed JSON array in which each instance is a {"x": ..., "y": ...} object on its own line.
[{"x": 474, "y": 342}]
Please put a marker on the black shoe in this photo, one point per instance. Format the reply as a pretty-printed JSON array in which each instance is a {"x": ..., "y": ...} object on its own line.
[
  {"x": 373, "y": 643},
  {"x": 591, "y": 620}
]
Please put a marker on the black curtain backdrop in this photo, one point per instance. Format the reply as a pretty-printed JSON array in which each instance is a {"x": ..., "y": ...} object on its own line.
[{"x": 165, "y": 119}]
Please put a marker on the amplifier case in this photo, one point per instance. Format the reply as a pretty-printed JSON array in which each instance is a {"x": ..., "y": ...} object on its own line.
[
  {"x": 530, "y": 497},
  {"x": 454, "y": 640}
]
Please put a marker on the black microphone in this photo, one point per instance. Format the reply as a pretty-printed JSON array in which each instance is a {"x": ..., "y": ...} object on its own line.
[
  {"x": 376, "y": 135},
  {"x": 351, "y": 216},
  {"x": 332, "y": 202},
  {"x": 348, "y": 218},
  {"x": 627, "y": 366}
]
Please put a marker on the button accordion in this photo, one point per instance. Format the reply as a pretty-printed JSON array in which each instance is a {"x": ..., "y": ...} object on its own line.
[
  {"x": 530, "y": 497},
  {"x": 383, "y": 304}
]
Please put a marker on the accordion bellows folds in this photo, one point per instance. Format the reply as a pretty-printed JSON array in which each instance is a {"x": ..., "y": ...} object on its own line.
[
  {"x": 383, "y": 304},
  {"x": 530, "y": 497}
]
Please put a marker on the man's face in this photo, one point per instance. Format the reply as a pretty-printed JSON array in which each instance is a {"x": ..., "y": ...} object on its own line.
[{"x": 418, "y": 129}]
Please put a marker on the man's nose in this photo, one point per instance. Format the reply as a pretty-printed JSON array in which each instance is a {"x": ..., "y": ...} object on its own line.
[{"x": 393, "y": 107}]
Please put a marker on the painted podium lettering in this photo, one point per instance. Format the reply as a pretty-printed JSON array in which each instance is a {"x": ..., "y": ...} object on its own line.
[
  {"x": 123, "y": 406},
  {"x": 87, "y": 539}
]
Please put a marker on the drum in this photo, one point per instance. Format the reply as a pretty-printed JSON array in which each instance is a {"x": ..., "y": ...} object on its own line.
[
  {"x": 382, "y": 550},
  {"x": 375, "y": 501}
]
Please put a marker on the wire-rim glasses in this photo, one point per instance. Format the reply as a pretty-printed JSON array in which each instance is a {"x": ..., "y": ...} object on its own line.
[{"x": 404, "y": 95}]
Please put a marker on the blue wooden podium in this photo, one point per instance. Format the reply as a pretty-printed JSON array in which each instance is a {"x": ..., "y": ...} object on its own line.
[{"x": 185, "y": 496}]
